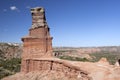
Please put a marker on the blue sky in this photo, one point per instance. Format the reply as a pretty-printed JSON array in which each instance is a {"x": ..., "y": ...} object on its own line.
[{"x": 77, "y": 23}]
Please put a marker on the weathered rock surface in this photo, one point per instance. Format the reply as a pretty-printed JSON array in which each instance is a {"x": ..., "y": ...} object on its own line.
[
  {"x": 10, "y": 50},
  {"x": 101, "y": 70},
  {"x": 70, "y": 70},
  {"x": 52, "y": 68},
  {"x": 38, "y": 62},
  {"x": 44, "y": 75},
  {"x": 38, "y": 43}
]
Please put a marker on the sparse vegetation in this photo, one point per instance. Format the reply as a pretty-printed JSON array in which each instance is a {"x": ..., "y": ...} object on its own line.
[
  {"x": 111, "y": 57},
  {"x": 10, "y": 50},
  {"x": 112, "y": 53},
  {"x": 9, "y": 67},
  {"x": 73, "y": 58},
  {"x": 9, "y": 59},
  {"x": 10, "y": 56}
]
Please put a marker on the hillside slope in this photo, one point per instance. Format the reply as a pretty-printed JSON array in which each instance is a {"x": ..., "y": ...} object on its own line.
[{"x": 10, "y": 50}]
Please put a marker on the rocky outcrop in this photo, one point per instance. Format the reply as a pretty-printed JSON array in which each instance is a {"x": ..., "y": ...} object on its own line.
[
  {"x": 38, "y": 63},
  {"x": 57, "y": 69},
  {"x": 44, "y": 75},
  {"x": 10, "y": 50},
  {"x": 37, "y": 50},
  {"x": 38, "y": 43},
  {"x": 66, "y": 70},
  {"x": 100, "y": 70}
]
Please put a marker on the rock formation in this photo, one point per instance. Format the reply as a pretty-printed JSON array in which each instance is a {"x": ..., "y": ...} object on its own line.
[
  {"x": 10, "y": 50},
  {"x": 39, "y": 42},
  {"x": 37, "y": 50},
  {"x": 39, "y": 64}
]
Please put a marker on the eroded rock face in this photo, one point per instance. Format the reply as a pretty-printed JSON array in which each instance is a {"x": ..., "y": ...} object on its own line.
[
  {"x": 44, "y": 75},
  {"x": 38, "y": 17},
  {"x": 10, "y": 50},
  {"x": 52, "y": 68},
  {"x": 37, "y": 51},
  {"x": 39, "y": 64},
  {"x": 39, "y": 42}
]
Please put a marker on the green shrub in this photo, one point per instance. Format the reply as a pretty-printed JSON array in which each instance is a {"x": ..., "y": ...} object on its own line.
[
  {"x": 73, "y": 58},
  {"x": 4, "y": 72},
  {"x": 9, "y": 67},
  {"x": 111, "y": 57},
  {"x": 12, "y": 64}
]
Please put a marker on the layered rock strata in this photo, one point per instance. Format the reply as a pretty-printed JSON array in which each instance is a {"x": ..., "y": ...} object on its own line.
[
  {"x": 39, "y": 42},
  {"x": 39, "y": 64},
  {"x": 37, "y": 50}
]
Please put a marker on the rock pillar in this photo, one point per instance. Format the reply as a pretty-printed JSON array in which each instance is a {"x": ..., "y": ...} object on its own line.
[{"x": 38, "y": 44}]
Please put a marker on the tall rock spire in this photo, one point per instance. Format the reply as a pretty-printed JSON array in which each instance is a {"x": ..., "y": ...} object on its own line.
[{"x": 38, "y": 44}]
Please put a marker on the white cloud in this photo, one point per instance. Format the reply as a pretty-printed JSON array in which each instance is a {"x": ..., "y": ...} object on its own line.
[{"x": 13, "y": 8}]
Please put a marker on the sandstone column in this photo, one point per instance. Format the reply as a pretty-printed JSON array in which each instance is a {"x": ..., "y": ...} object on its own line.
[{"x": 38, "y": 44}]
